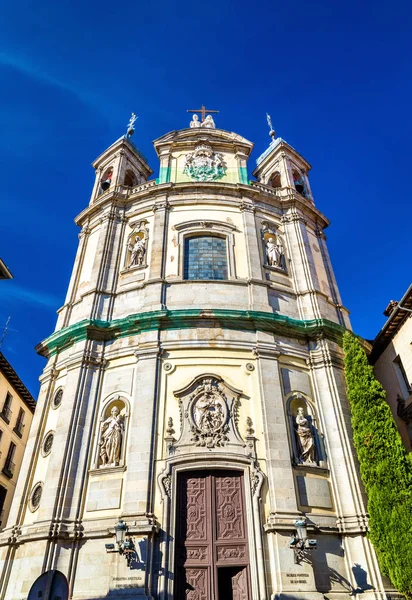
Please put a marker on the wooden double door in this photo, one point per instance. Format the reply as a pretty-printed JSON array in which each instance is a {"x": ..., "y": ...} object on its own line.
[{"x": 211, "y": 552}]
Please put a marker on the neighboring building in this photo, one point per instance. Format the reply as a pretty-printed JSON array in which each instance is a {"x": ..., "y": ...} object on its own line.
[
  {"x": 16, "y": 414},
  {"x": 195, "y": 389},
  {"x": 392, "y": 359},
  {"x": 4, "y": 271}
]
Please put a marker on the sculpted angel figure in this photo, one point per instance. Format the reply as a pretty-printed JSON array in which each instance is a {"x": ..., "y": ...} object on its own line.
[
  {"x": 274, "y": 252},
  {"x": 111, "y": 439},
  {"x": 138, "y": 252},
  {"x": 209, "y": 123},
  {"x": 195, "y": 121},
  {"x": 305, "y": 439}
]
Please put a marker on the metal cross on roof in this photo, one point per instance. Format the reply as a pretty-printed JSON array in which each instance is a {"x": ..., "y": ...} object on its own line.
[{"x": 203, "y": 111}]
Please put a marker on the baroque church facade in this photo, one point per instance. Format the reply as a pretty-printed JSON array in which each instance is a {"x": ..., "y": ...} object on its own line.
[{"x": 192, "y": 434}]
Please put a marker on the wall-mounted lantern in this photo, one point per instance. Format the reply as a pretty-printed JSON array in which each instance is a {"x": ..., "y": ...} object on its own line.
[
  {"x": 124, "y": 546},
  {"x": 299, "y": 542}
]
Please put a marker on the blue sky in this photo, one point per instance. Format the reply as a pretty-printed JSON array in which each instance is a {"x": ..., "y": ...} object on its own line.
[{"x": 335, "y": 76}]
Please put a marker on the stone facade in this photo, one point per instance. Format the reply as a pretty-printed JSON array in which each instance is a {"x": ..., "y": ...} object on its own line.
[{"x": 206, "y": 375}]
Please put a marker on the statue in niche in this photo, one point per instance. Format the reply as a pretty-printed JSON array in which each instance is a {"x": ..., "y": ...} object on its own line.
[
  {"x": 274, "y": 252},
  {"x": 111, "y": 439},
  {"x": 195, "y": 122},
  {"x": 305, "y": 439},
  {"x": 138, "y": 252}
]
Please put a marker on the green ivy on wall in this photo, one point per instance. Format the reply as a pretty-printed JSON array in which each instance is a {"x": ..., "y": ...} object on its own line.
[{"x": 386, "y": 468}]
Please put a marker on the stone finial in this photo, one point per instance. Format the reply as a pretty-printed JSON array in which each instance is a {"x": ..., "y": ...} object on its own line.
[{"x": 272, "y": 132}]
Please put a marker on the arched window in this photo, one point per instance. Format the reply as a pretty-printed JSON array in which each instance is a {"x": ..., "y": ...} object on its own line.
[
  {"x": 106, "y": 180},
  {"x": 205, "y": 257},
  {"x": 274, "y": 180},
  {"x": 300, "y": 184},
  {"x": 129, "y": 178}
]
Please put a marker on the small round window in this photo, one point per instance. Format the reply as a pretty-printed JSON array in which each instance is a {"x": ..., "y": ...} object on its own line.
[
  {"x": 36, "y": 496},
  {"x": 48, "y": 443},
  {"x": 58, "y": 397}
]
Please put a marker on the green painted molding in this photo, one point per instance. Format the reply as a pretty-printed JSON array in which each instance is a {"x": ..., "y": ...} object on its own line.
[
  {"x": 164, "y": 174},
  {"x": 242, "y": 320},
  {"x": 243, "y": 177}
]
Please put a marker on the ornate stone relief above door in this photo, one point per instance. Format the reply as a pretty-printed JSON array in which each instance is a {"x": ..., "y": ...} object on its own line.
[{"x": 208, "y": 415}]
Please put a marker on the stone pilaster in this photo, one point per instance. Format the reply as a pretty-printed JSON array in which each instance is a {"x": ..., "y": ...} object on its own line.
[
  {"x": 138, "y": 480},
  {"x": 257, "y": 289},
  {"x": 304, "y": 274},
  {"x": 155, "y": 290},
  {"x": 279, "y": 468}
]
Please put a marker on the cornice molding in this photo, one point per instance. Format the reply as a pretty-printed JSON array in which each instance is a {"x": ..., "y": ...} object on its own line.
[{"x": 93, "y": 329}]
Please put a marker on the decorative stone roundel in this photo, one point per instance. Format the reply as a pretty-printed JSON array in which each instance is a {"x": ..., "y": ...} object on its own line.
[
  {"x": 58, "y": 397},
  {"x": 48, "y": 443},
  {"x": 36, "y": 496}
]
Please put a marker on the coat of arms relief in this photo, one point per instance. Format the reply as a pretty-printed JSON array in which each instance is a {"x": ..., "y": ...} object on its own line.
[
  {"x": 204, "y": 164},
  {"x": 209, "y": 415}
]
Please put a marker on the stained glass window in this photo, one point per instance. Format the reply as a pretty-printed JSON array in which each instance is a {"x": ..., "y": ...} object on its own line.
[{"x": 205, "y": 258}]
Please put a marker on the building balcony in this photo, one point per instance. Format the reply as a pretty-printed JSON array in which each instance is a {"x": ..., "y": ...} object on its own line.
[
  {"x": 5, "y": 414},
  {"x": 8, "y": 469}
]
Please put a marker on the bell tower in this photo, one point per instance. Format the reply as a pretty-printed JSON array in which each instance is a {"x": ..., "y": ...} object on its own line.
[
  {"x": 121, "y": 166},
  {"x": 280, "y": 166}
]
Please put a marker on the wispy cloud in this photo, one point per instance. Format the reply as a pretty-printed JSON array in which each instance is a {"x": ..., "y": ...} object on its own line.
[
  {"x": 35, "y": 72},
  {"x": 14, "y": 293}
]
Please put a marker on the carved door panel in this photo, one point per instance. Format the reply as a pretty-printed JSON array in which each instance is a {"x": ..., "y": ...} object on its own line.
[
  {"x": 211, "y": 552},
  {"x": 193, "y": 562},
  {"x": 240, "y": 585}
]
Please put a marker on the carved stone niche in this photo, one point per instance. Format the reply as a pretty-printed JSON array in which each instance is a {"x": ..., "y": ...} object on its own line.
[
  {"x": 209, "y": 415},
  {"x": 308, "y": 449},
  {"x": 136, "y": 248},
  {"x": 273, "y": 247},
  {"x": 111, "y": 440}
]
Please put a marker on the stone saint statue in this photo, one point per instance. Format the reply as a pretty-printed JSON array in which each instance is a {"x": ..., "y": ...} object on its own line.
[
  {"x": 111, "y": 439},
  {"x": 195, "y": 121},
  {"x": 305, "y": 439},
  {"x": 209, "y": 123},
  {"x": 274, "y": 252},
  {"x": 138, "y": 252}
]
